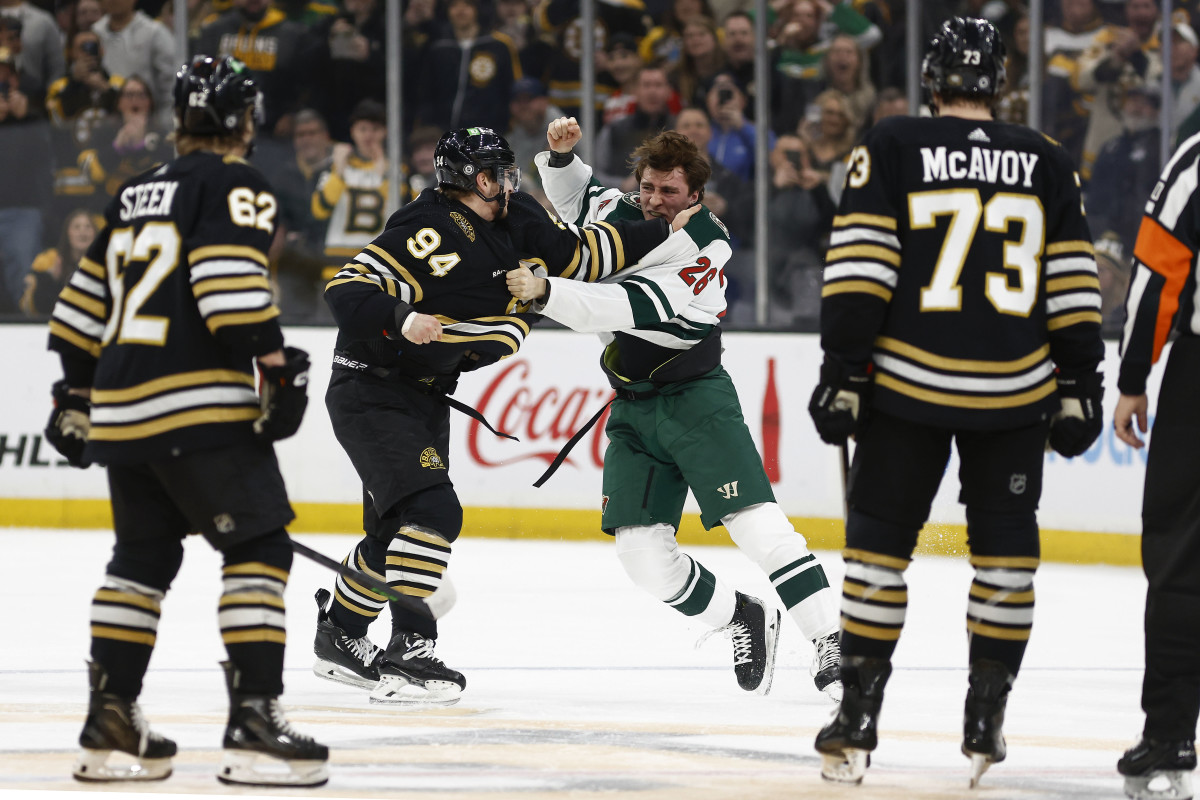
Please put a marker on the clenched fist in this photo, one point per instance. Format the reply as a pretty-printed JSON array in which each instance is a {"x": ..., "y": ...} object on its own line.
[
  {"x": 524, "y": 285},
  {"x": 423, "y": 329},
  {"x": 563, "y": 134}
]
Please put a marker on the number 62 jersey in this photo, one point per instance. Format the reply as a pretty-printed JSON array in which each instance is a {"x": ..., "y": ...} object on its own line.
[{"x": 960, "y": 268}]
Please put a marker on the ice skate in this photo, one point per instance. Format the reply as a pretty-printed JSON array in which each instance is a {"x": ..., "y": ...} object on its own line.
[
  {"x": 754, "y": 630},
  {"x": 115, "y": 725},
  {"x": 826, "y": 668},
  {"x": 845, "y": 744},
  {"x": 411, "y": 675},
  {"x": 983, "y": 716},
  {"x": 1157, "y": 769},
  {"x": 261, "y": 748},
  {"x": 341, "y": 658}
]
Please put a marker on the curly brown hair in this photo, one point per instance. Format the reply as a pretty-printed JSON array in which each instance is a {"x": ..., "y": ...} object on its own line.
[{"x": 668, "y": 150}]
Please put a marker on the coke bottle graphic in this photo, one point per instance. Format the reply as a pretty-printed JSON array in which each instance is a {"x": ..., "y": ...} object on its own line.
[{"x": 770, "y": 426}]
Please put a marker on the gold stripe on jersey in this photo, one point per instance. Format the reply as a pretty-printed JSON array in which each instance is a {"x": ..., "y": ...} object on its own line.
[
  {"x": 230, "y": 284},
  {"x": 204, "y": 377},
  {"x": 184, "y": 419},
  {"x": 876, "y": 220},
  {"x": 962, "y": 364},
  {"x": 122, "y": 635},
  {"x": 402, "y": 273},
  {"x": 1005, "y": 562},
  {"x": 1009, "y": 596},
  {"x": 870, "y": 631},
  {"x": 89, "y": 345},
  {"x": 256, "y": 568},
  {"x": 617, "y": 243},
  {"x": 218, "y": 321},
  {"x": 862, "y": 287},
  {"x": 92, "y": 268},
  {"x": 875, "y": 593},
  {"x": 878, "y": 559},
  {"x": 569, "y": 272},
  {"x": 1067, "y": 320},
  {"x": 96, "y": 308},
  {"x": 1074, "y": 282},
  {"x": 254, "y": 635},
  {"x": 1074, "y": 246},
  {"x": 952, "y": 400},
  {"x": 227, "y": 251},
  {"x": 993, "y": 632},
  {"x": 863, "y": 251},
  {"x": 593, "y": 249},
  {"x": 127, "y": 599}
]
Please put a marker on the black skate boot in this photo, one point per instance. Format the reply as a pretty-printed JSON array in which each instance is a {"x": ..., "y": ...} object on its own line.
[
  {"x": 983, "y": 716},
  {"x": 115, "y": 724},
  {"x": 341, "y": 658},
  {"x": 754, "y": 631},
  {"x": 826, "y": 668},
  {"x": 845, "y": 744},
  {"x": 1167, "y": 763},
  {"x": 257, "y": 728},
  {"x": 410, "y": 674}
]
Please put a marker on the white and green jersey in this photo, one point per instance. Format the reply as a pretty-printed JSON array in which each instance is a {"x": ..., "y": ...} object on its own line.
[{"x": 672, "y": 298}]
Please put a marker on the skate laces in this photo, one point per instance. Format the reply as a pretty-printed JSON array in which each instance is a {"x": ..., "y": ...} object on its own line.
[
  {"x": 363, "y": 649},
  {"x": 739, "y": 634},
  {"x": 420, "y": 647},
  {"x": 829, "y": 652},
  {"x": 141, "y": 726},
  {"x": 281, "y": 723}
]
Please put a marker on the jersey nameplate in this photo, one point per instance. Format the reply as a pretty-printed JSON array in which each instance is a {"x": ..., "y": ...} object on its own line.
[
  {"x": 148, "y": 200},
  {"x": 979, "y": 164}
]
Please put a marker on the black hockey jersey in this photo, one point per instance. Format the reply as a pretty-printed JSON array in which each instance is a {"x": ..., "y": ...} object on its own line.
[
  {"x": 166, "y": 311},
  {"x": 960, "y": 266},
  {"x": 440, "y": 257}
]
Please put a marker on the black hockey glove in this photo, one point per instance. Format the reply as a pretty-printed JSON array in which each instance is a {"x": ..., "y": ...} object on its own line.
[
  {"x": 284, "y": 396},
  {"x": 69, "y": 424},
  {"x": 839, "y": 402},
  {"x": 1078, "y": 424}
]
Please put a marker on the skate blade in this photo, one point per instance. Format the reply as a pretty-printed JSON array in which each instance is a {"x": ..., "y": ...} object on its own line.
[
  {"x": 979, "y": 765},
  {"x": 1160, "y": 785},
  {"x": 849, "y": 767},
  {"x": 92, "y": 766},
  {"x": 338, "y": 674},
  {"x": 396, "y": 690},
  {"x": 771, "y": 639},
  {"x": 243, "y": 768}
]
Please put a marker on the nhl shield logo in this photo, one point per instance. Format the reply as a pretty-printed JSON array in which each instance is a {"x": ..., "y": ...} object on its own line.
[
  {"x": 1016, "y": 483},
  {"x": 431, "y": 460}
]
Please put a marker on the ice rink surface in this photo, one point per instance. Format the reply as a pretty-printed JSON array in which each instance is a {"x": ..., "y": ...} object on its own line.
[{"x": 580, "y": 686}]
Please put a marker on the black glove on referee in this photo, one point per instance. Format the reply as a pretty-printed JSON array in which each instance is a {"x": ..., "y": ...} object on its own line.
[
  {"x": 839, "y": 401},
  {"x": 69, "y": 424},
  {"x": 1078, "y": 424},
  {"x": 284, "y": 396}
]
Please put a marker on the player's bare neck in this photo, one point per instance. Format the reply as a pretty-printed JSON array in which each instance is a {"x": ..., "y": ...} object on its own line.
[{"x": 963, "y": 110}]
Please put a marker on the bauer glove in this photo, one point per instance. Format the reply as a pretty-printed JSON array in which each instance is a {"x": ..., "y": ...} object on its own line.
[
  {"x": 1078, "y": 424},
  {"x": 69, "y": 424},
  {"x": 839, "y": 402},
  {"x": 284, "y": 396}
]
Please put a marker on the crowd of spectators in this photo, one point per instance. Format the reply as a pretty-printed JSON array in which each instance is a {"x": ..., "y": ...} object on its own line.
[{"x": 85, "y": 103}]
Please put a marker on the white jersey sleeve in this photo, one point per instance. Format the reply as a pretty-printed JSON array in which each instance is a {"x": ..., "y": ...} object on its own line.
[{"x": 576, "y": 197}]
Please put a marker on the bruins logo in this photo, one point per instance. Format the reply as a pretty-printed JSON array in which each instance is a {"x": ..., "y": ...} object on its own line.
[
  {"x": 482, "y": 69},
  {"x": 462, "y": 222},
  {"x": 431, "y": 460}
]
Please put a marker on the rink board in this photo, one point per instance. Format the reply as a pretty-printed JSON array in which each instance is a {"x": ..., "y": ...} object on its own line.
[{"x": 1090, "y": 509}]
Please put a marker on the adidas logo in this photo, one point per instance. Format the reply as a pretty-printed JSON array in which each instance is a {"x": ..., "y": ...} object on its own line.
[{"x": 978, "y": 135}]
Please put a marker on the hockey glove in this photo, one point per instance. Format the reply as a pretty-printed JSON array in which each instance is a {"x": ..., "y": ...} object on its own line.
[
  {"x": 1078, "y": 424},
  {"x": 839, "y": 402},
  {"x": 284, "y": 396},
  {"x": 69, "y": 424}
]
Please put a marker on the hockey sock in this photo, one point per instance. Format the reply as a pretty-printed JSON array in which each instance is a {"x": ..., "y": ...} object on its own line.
[
  {"x": 1000, "y": 610},
  {"x": 251, "y": 614},
  {"x": 355, "y": 606},
  {"x": 874, "y": 602},
  {"x": 652, "y": 559},
  {"x": 416, "y": 560},
  {"x": 764, "y": 533},
  {"x": 124, "y": 627}
]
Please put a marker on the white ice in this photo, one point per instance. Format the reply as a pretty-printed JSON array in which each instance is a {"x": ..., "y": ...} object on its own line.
[{"x": 581, "y": 686}]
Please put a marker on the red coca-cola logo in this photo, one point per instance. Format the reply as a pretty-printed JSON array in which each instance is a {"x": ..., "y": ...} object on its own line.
[{"x": 543, "y": 419}]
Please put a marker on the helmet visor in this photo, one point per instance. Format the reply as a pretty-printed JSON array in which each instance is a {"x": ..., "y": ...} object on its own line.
[{"x": 509, "y": 178}]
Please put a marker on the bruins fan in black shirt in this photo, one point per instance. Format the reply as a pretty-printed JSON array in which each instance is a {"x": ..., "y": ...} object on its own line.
[
  {"x": 424, "y": 302},
  {"x": 160, "y": 328},
  {"x": 961, "y": 305}
]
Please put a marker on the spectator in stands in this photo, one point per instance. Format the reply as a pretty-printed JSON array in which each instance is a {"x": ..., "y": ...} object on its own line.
[
  {"x": 1127, "y": 168},
  {"x": 664, "y": 42},
  {"x": 1065, "y": 107},
  {"x": 30, "y": 87},
  {"x": 560, "y": 18},
  {"x": 52, "y": 268},
  {"x": 467, "y": 78},
  {"x": 702, "y": 59},
  {"x": 732, "y": 142},
  {"x": 25, "y": 186},
  {"x": 1113, "y": 267},
  {"x": 1013, "y": 105},
  {"x": 1185, "y": 74},
  {"x": 40, "y": 56},
  {"x": 725, "y": 194},
  {"x": 134, "y": 44},
  {"x": 845, "y": 69},
  {"x": 1120, "y": 57},
  {"x": 353, "y": 61},
  {"x": 616, "y": 141},
  {"x": 515, "y": 20},
  {"x": 310, "y": 13},
  {"x": 278, "y": 52},
  {"x": 131, "y": 141},
  {"x": 739, "y": 53},
  {"x": 891, "y": 103},
  {"x": 84, "y": 14},
  {"x": 532, "y": 113},
  {"x": 622, "y": 65},
  {"x": 831, "y": 138},
  {"x": 422, "y": 168}
]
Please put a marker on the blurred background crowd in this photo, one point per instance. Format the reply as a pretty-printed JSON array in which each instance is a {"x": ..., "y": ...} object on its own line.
[{"x": 85, "y": 103}]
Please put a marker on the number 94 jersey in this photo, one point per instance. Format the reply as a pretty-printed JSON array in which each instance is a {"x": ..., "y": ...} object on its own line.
[{"x": 961, "y": 266}]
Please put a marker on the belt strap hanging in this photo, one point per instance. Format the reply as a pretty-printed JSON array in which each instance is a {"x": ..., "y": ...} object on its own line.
[{"x": 574, "y": 440}]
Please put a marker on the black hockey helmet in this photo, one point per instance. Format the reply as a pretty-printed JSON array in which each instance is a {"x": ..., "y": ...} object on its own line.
[
  {"x": 965, "y": 58},
  {"x": 212, "y": 95},
  {"x": 464, "y": 153}
]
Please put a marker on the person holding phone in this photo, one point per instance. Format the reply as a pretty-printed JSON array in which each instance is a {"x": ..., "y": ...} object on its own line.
[{"x": 732, "y": 143}]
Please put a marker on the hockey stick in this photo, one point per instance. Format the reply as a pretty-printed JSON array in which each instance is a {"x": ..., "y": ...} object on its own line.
[
  {"x": 844, "y": 474},
  {"x": 411, "y": 604}
]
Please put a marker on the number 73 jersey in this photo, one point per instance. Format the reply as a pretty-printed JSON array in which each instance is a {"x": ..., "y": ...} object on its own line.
[{"x": 960, "y": 265}]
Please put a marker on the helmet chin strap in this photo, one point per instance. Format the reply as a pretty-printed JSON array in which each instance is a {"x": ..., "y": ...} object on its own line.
[{"x": 500, "y": 197}]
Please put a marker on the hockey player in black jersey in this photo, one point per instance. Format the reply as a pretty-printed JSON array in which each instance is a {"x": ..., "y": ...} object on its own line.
[
  {"x": 158, "y": 332},
  {"x": 961, "y": 305},
  {"x": 423, "y": 303}
]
